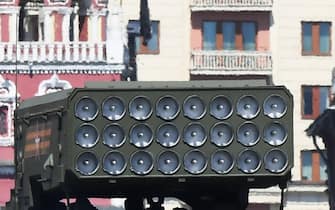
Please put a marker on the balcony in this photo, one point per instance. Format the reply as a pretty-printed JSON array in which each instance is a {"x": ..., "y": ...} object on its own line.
[
  {"x": 41, "y": 58},
  {"x": 52, "y": 52},
  {"x": 231, "y": 5},
  {"x": 231, "y": 63}
]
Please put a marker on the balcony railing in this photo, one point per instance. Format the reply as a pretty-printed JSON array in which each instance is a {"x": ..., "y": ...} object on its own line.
[
  {"x": 231, "y": 62},
  {"x": 52, "y": 52},
  {"x": 231, "y": 5}
]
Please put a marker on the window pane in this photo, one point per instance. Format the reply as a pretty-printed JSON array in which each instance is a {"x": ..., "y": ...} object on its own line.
[
  {"x": 209, "y": 33},
  {"x": 307, "y": 37},
  {"x": 228, "y": 31},
  {"x": 306, "y": 165},
  {"x": 153, "y": 42},
  {"x": 323, "y": 167},
  {"x": 308, "y": 100},
  {"x": 31, "y": 28},
  {"x": 323, "y": 98},
  {"x": 249, "y": 35},
  {"x": 3, "y": 120},
  {"x": 324, "y": 38},
  {"x": 138, "y": 44}
]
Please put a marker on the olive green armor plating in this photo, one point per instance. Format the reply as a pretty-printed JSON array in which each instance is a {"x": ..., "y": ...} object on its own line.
[{"x": 142, "y": 138}]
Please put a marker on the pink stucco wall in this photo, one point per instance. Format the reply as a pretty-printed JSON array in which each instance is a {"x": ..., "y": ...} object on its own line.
[
  {"x": 58, "y": 27},
  {"x": 4, "y": 27},
  {"x": 28, "y": 86},
  {"x": 261, "y": 18},
  {"x": 7, "y": 153},
  {"x": 6, "y": 186}
]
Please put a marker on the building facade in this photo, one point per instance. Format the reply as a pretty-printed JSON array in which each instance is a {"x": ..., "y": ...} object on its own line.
[
  {"x": 47, "y": 46},
  {"x": 288, "y": 42},
  {"x": 51, "y": 45},
  {"x": 230, "y": 39},
  {"x": 304, "y": 61}
]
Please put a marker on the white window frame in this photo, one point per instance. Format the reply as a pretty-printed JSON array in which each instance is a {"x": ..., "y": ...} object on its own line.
[
  {"x": 53, "y": 84},
  {"x": 99, "y": 3},
  {"x": 59, "y": 3},
  {"x": 8, "y": 98},
  {"x": 7, "y": 2}
]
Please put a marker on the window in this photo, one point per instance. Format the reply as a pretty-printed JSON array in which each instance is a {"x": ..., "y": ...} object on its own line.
[
  {"x": 83, "y": 28},
  {"x": 209, "y": 36},
  {"x": 315, "y": 100},
  {"x": 84, "y": 7},
  {"x": 29, "y": 22},
  {"x": 102, "y": 1},
  {"x": 57, "y": 1},
  {"x": 7, "y": 101},
  {"x": 229, "y": 35},
  {"x": 316, "y": 38},
  {"x": 313, "y": 167},
  {"x": 152, "y": 46},
  {"x": 3, "y": 121}
]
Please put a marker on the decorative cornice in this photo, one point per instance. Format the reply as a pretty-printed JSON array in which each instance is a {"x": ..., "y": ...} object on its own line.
[
  {"x": 7, "y": 3},
  {"x": 62, "y": 68},
  {"x": 98, "y": 12},
  {"x": 296, "y": 193},
  {"x": 298, "y": 186},
  {"x": 6, "y": 163},
  {"x": 62, "y": 9},
  {"x": 5, "y": 9}
]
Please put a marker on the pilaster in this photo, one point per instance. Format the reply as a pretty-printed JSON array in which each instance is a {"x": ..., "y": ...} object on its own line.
[
  {"x": 95, "y": 18},
  {"x": 47, "y": 24},
  {"x": 66, "y": 12}
]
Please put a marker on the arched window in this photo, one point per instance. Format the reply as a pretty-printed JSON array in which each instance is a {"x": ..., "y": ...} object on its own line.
[{"x": 7, "y": 105}]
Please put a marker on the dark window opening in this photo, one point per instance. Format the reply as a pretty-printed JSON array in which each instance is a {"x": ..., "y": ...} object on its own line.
[
  {"x": 84, "y": 6},
  {"x": 83, "y": 28},
  {"x": 3, "y": 121},
  {"x": 29, "y": 21}
]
